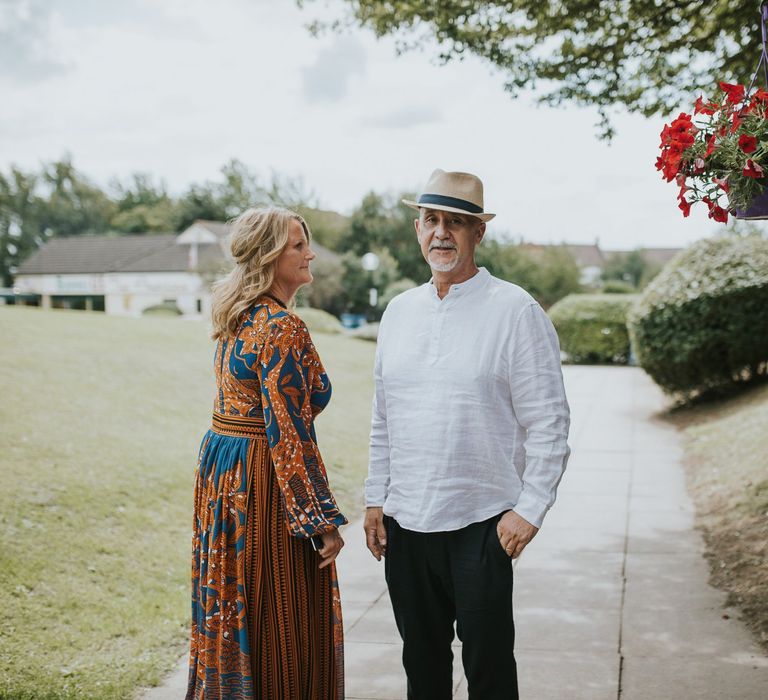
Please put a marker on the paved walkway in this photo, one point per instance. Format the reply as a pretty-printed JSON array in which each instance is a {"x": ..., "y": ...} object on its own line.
[{"x": 611, "y": 598}]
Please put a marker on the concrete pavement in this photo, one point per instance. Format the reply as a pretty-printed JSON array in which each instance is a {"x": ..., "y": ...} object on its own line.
[{"x": 611, "y": 597}]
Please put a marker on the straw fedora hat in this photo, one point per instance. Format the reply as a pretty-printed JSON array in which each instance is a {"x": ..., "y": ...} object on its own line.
[{"x": 459, "y": 192}]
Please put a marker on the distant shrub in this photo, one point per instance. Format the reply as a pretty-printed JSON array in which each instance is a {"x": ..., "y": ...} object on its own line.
[
  {"x": 166, "y": 308},
  {"x": 318, "y": 321},
  {"x": 395, "y": 288},
  {"x": 702, "y": 324},
  {"x": 368, "y": 331},
  {"x": 617, "y": 287},
  {"x": 592, "y": 327}
]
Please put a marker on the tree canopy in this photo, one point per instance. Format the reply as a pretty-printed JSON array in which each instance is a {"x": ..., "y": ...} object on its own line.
[
  {"x": 58, "y": 200},
  {"x": 648, "y": 55}
]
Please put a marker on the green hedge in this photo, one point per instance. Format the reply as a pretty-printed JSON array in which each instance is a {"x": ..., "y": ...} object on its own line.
[
  {"x": 592, "y": 327},
  {"x": 618, "y": 287},
  {"x": 165, "y": 308},
  {"x": 702, "y": 324},
  {"x": 317, "y": 320}
]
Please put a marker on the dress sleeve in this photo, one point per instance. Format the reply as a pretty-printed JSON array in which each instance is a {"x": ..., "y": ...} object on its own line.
[{"x": 289, "y": 369}]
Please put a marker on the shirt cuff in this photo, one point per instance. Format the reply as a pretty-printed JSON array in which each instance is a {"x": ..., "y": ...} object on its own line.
[
  {"x": 531, "y": 508},
  {"x": 375, "y": 492}
]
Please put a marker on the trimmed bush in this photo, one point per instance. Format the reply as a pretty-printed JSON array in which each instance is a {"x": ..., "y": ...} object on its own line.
[
  {"x": 702, "y": 324},
  {"x": 317, "y": 320},
  {"x": 165, "y": 308},
  {"x": 617, "y": 287},
  {"x": 368, "y": 331},
  {"x": 592, "y": 327}
]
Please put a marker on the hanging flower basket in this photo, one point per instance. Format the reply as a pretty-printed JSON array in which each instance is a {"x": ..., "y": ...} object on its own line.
[
  {"x": 718, "y": 155},
  {"x": 756, "y": 209}
]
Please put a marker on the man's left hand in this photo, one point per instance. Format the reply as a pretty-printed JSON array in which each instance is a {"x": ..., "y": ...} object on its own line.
[{"x": 514, "y": 532}]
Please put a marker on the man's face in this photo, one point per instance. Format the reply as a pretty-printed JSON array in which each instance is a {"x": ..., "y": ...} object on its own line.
[{"x": 447, "y": 239}]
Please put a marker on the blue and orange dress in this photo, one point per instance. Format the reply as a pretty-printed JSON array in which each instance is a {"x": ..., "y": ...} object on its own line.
[{"x": 266, "y": 620}]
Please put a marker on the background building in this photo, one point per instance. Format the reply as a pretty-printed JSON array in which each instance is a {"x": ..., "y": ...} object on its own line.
[{"x": 127, "y": 274}]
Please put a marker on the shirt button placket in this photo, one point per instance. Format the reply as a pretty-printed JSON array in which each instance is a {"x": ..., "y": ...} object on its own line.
[{"x": 436, "y": 333}]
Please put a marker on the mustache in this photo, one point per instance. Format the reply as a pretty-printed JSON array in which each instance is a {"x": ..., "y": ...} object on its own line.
[{"x": 439, "y": 246}]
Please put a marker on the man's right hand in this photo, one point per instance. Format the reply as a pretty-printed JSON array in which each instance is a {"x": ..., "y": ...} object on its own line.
[{"x": 375, "y": 533}]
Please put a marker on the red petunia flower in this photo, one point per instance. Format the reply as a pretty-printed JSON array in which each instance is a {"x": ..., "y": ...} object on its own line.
[
  {"x": 718, "y": 214},
  {"x": 747, "y": 143},
  {"x": 760, "y": 96},
  {"x": 736, "y": 121},
  {"x": 702, "y": 107},
  {"x": 752, "y": 169},
  {"x": 684, "y": 205},
  {"x": 671, "y": 168},
  {"x": 722, "y": 184},
  {"x": 711, "y": 142},
  {"x": 681, "y": 125},
  {"x": 685, "y": 139},
  {"x": 734, "y": 93}
]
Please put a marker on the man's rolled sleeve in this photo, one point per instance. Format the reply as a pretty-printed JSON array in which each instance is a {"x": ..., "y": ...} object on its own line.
[
  {"x": 377, "y": 483},
  {"x": 540, "y": 405}
]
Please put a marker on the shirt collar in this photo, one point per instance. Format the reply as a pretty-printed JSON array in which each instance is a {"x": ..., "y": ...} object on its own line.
[{"x": 477, "y": 281}]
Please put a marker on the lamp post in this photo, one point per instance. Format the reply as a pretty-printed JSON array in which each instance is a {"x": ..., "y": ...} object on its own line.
[{"x": 370, "y": 262}]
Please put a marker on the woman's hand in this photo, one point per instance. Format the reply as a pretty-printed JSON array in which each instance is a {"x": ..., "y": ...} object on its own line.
[{"x": 332, "y": 544}]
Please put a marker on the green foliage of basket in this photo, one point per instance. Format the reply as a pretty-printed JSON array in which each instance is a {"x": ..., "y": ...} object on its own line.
[
  {"x": 318, "y": 321},
  {"x": 702, "y": 324},
  {"x": 592, "y": 327}
]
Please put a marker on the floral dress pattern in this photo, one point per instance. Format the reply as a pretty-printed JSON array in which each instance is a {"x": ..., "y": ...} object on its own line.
[{"x": 266, "y": 621}]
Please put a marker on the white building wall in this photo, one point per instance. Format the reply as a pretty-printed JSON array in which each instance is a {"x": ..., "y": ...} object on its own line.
[
  {"x": 128, "y": 294},
  {"x": 591, "y": 275},
  {"x": 60, "y": 284},
  {"x": 125, "y": 294}
]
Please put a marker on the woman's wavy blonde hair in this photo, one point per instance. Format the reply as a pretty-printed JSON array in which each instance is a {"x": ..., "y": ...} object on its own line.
[{"x": 257, "y": 239}]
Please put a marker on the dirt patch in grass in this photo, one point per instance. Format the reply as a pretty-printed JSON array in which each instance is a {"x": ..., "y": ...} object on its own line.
[{"x": 726, "y": 448}]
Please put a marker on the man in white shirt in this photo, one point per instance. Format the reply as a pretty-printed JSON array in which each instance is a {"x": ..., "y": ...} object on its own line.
[{"x": 468, "y": 445}]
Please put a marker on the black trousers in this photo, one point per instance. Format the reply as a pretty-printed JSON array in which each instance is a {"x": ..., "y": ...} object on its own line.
[{"x": 437, "y": 578}]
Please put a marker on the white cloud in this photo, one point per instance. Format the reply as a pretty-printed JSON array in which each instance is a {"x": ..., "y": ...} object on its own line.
[
  {"x": 328, "y": 78},
  {"x": 178, "y": 87},
  {"x": 26, "y": 51},
  {"x": 403, "y": 118}
]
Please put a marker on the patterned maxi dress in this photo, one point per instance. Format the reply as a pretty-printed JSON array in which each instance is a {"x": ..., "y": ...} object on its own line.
[{"x": 266, "y": 621}]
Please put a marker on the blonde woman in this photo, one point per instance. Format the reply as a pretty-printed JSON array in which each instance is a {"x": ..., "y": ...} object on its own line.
[{"x": 266, "y": 613}]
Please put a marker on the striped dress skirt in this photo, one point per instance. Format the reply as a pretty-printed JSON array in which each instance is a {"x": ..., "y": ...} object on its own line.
[{"x": 266, "y": 621}]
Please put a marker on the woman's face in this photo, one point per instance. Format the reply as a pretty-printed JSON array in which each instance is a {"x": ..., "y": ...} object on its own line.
[{"x": 292, "y": 269}]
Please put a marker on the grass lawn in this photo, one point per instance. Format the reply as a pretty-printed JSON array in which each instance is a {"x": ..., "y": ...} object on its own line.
[
  {"x": 100, "y": 424},
  {"x": 726, "y": 445}
]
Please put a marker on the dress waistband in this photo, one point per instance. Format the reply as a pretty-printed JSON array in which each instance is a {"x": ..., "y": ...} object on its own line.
[{"x": 239, "y": 426}]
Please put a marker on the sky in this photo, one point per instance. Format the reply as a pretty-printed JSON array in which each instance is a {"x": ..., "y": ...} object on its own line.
[{"x": 176, "y": 88}]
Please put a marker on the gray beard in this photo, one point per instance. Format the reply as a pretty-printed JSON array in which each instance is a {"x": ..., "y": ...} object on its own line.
[{"x": 443, "y": 267}]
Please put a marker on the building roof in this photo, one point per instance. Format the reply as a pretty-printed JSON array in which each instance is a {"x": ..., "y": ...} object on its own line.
[
  {"x": 659, "y": 255},
  {"x": 588, "y": 255},
  {"x": 149, "y": 252},
  {"x": 591, "y": 255},
  {"x": 102, "y": 254},
  {"x": 93, "y": 254},
  {"x": 221, "y": 230},
  {"x": 585, "y": 255}
]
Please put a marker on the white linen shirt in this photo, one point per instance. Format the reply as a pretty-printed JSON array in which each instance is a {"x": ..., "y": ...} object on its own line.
[{"x": 470, "y": 416}]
